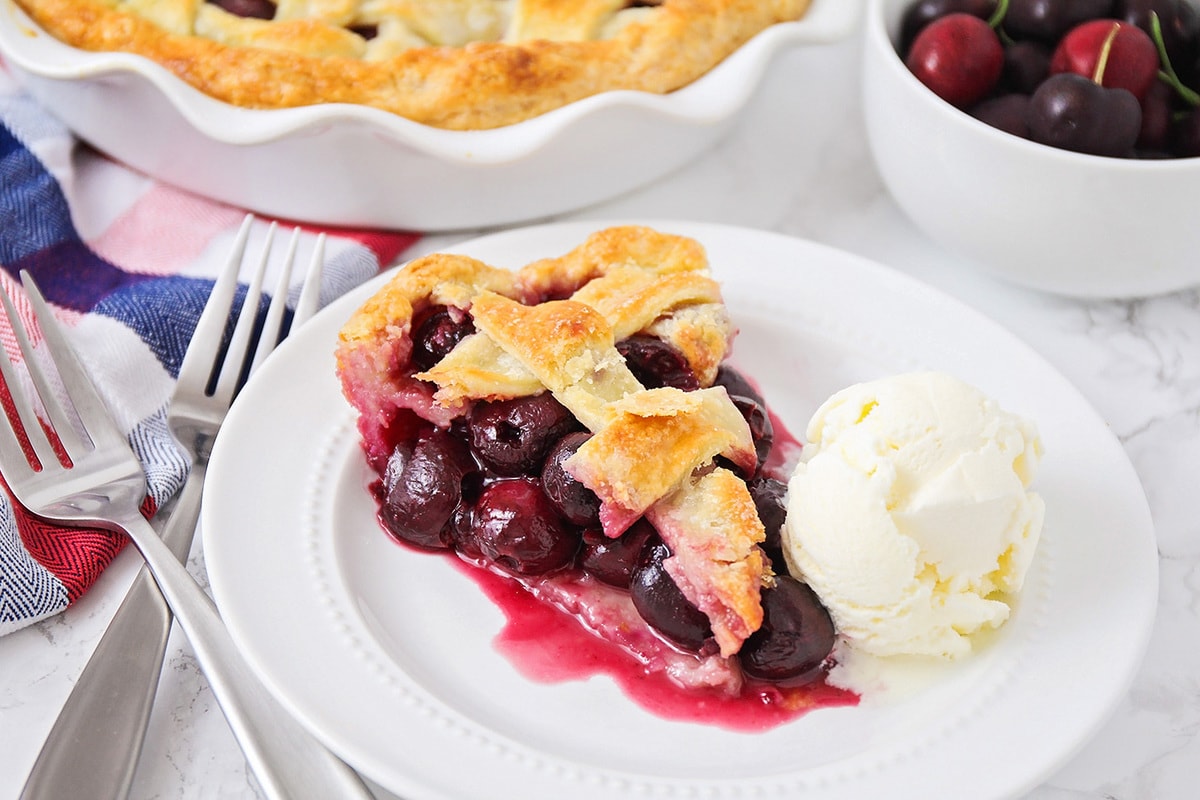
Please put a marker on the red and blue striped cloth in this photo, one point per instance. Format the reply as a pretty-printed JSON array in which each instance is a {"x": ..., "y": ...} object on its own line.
[{"x": 127, "y": 263}]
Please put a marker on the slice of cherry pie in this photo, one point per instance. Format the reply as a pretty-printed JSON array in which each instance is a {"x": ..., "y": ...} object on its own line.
[
  {"x": 459, "y": 64},
  {"x": 572, "y": 426}
]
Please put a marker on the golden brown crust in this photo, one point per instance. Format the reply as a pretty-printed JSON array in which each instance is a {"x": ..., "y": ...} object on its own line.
[
  {"x": 478, "y": 369},
  {"x": 568, "y": 346},
  {"x": 654, "y": 440},
  {"x": 622, "y": 246},
  {"x": 438, "y": 279},
  {"x": 375, "y": 344},
  {"x": 560, "y": 341},
  {"x": 479, "y": 85},
  {"x": 642, "y": 279},
  {"x": 637, "y": 278}
]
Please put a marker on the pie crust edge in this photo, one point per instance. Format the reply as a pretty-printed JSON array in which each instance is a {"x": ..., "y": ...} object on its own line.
[{"x": 479, "y": 86}]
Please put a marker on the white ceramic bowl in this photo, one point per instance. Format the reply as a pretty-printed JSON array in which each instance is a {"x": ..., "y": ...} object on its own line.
[
  {"x": 1041, "y": 217},
  {"x": 348, "y": 165}
]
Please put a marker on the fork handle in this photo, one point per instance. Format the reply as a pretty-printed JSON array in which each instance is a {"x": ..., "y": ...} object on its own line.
[
  {"x": 93, "y": 748},
  {"x": 288, "y": 761}
]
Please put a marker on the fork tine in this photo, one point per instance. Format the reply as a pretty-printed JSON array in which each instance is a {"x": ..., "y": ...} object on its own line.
[
  {"x": 61, "y": 419},
  {"x": 239, "y": 343},
  {"x": 14, "y": 453},
  {"x": 98, "y": 422},
  {"x": 202, "y": 351},
  {"x": 269, "y": 336},
  {"x": 310, "y": 295}
]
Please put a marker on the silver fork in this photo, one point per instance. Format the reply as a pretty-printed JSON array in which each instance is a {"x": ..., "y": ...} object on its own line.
[
  {"x": 93, "y": 748},
  {"x": 102, "y": 485}
]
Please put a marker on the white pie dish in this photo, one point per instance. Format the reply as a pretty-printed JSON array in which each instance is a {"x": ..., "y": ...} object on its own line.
[{"x": 339, "y": 164}]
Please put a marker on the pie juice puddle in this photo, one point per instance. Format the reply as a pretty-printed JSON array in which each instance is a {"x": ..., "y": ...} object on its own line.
[{"x": 549, "y": 645}]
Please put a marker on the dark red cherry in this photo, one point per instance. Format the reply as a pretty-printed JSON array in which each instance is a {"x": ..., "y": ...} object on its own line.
[
  {"x": 367, "y": 32},
  {"x": 423, "y": 486},
  {"x": 656, "y": 363},
  {"x": 256, "y": 9},
  {"x": 438, "y": 334},
  {"x": 659, "y": 600},
  {"x": 576, "y": 502},
  {"x": 1114, "y": 54},
  {"x": 750, "y": 402},
  {"x": 1071, "y": 112},
  {"x": 1048, "y": 20},
  {"x": 1179, "y": 21},
  {"x": 762, "y": 430},
  {"x": 959, "y": 57},
  {"x": 462, "y": 521},
  {"x": 511, "y": 437},
  {"x": 1026, "y": 65},
  {"x": 462, "y": 533},
  {"x": 1009, "y": 113},
  {"x": 1158, "y": 113},
  {"x": 923, "y": 12},
  {"x": 769, "y": 497},
  {"x": 1185, "y": 139},
  {"x": 516, "y": 527},
  {"x": 736, "y": 383},
  {"x": 796, "y": 638},
  {"x": 614, "y": 560}
]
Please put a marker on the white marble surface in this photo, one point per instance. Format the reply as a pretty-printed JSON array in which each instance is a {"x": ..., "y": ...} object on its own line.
[{"x": 799, "y": 164}]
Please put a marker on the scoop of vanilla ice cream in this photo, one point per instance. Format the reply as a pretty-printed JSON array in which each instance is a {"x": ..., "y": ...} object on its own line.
[{"x": 911, "y": 515}]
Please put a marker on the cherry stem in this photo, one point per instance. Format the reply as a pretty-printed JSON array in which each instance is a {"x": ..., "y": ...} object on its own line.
[
  {"x": 1105, "y": 50},
  {"x": 1167, "y": 74},
  {"x": 996, "y": 20},
  {"x": 998, "y": 15}
]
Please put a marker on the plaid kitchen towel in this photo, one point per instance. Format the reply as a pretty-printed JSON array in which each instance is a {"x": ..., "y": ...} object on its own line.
[{"x": 127, "y": 263}]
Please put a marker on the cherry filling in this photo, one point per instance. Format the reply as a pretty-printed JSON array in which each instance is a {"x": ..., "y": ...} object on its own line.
[
  {"x": 257, "y": 9},
  {"x": 753, "y": 407},
  {"x": 795, "y": 638},
  {"x": 573, "y": 500},
  {"x": 365, "y": 31},
  {"x": 613, "y": 561},
  {"x": 656, "y": 363},
  {"x": 769, "y": 494},
  {"x": 512, "y": 437},
  {"x": 661, "y": 603},
  {"x": 516, "y": 527},
  {"x": 437, "y": 334},
  {"x": 266, "y": 9},
  {"x": 492, "y": 487},
  {"x": 422, "y": 487}
]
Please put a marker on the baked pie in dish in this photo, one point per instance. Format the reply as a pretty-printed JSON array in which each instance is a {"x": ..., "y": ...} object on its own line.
[
  {"x": 454, "y": 64},
  {"x": 573, "y": 426}
]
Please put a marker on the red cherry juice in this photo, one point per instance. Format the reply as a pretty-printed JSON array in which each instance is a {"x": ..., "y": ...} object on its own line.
[{"x": 549, "y": 645}]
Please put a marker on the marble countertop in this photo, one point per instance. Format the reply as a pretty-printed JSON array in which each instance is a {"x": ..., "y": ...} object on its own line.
[{"x": 797, "y": 164}]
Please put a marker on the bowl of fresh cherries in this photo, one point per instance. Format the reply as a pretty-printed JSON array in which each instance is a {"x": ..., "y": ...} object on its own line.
[{"x": 1052, "y": 143}]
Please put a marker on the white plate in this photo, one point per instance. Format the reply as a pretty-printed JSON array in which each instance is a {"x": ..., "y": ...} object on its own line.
[
  {"x": 387, "y": 654},
  {"x": 340, "y": 164}
]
